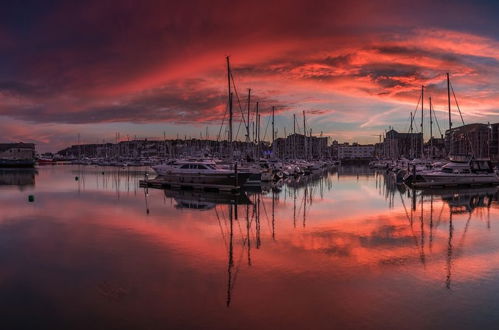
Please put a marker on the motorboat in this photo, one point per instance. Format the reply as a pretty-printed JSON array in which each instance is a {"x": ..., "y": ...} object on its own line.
[
  {"x": 454, "y": 173},
  {"x": 199, "y": 173}
]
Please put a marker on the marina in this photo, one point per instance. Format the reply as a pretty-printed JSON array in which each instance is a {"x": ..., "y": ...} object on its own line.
[
  {"x": 242, "y": 165},
  {"x": 139, "y": 256}
]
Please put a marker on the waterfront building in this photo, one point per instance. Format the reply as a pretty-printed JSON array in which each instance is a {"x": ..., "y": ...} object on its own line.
[
  {"x": 494, "y": 142},
  {"x": 300, "y": 146},
  {"x": 136, "y": 149},
  {"x": 355, "y": 151},
  {"x": 435, "y": 148},
  {"x": 397, "y": 145},
  {"x": 17, "y": 154},
  {"x": 470, "y": 140}
]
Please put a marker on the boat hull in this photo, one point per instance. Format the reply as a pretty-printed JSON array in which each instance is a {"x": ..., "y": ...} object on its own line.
[{"x": 429, "y": 181}]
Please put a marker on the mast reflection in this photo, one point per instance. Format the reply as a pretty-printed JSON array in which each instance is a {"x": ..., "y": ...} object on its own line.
[{"x": 422, "y": 228}]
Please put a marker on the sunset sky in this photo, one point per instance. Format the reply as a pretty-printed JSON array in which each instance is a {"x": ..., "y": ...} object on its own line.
[{"x": 142, "y": 68}]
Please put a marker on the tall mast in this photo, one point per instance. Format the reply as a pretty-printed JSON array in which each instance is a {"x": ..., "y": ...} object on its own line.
[
  {"x": 294, "y": 136},
  {"x": 448, "y": 101},
  {"x": 412, "y": 138},
  {"x": 230, "y": 118},
  {"x": 450, "y": 118},
  {"x": 257, "y": 129},
  {"x": 248, "y": 122},
  {"x": 422, "y": 119},
  {"x": 258, "y": 137},
  {"x": 273, "y": 125},
  {"x": 305, "y": 133},
  {"x": 230, "y": 105},
  {"x": 431, "y": 130},
  {"x": 311, "y": 145}
]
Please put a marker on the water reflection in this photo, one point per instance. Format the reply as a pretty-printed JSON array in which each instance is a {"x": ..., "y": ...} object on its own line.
[
  {"x": 456, "y": 201},
  {"x": 341, "y": 249},
  {"x": 201, "y": 200},
  {"x": 22, "y": 178},
  {"x": 425, "y": 211}
]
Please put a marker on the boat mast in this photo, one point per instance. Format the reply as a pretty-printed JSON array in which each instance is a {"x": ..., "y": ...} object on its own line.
[
  {"x": 230, "y": 105},
  {"x": 422, "y": 119},
  {"x": 294, "y": 136},
  {"x": 412, "y": 139},
  {"x": 311, "y": 146},
  {"x": 273, "y": 125},
  {"x": 431, "y": 131},
  {"x": 304, "y": 134},
  {"x": 257, "y": 129},
  {"x": 450, "y": 118},
  {"x": 248, "y": 122}
]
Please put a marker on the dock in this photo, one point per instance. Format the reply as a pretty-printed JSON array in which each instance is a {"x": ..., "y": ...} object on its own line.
[{"x": 162, "y": 183}]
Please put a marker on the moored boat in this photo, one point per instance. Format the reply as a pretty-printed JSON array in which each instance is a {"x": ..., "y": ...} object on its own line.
[
  {"x": 454, "y": 173},
  {"x": 202, "y": 173}
]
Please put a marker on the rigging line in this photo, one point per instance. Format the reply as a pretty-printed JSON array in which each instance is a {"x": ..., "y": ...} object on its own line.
[
  {"x": 238, "y": 99},
  {"x": 461, "y": 115},
  {"x": 221, "y": 230},
  {"x": 409, "y": 219},
  {"x": 457, "y": 104},
  {"x": 223, "y": 120},
  {"x": 463, "y": 236},
  {"x": 238, "y": 266},
  {"x": 298, "y": 129},
  {"x": 266, "y": 127},
  {"x": 414, "y": 113},
  {"x": 411, "y": 118},
  {"x": 436, "y": 120}
]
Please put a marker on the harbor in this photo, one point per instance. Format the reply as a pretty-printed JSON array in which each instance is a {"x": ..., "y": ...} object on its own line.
[
  {"x": 138, "y": 256},
  {"x": 243, "y": 165}
]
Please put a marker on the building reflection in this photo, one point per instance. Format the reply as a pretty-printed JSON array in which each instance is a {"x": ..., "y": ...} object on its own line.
[{"x": 22, "y": 178}]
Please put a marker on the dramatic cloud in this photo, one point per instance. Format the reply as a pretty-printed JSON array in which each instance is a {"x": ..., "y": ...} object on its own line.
[{"x": 356, "y": 65}]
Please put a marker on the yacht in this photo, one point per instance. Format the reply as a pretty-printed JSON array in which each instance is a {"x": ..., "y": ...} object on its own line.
[
  {"x": 454, "y": 173},
  {"x": 205, "y": 173}
]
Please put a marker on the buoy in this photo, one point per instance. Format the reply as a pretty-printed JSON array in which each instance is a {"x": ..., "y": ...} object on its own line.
[{"x": 31, "y": 198}]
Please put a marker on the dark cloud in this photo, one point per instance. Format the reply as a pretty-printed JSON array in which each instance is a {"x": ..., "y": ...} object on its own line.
[
  {"x": 341, "y": 60},
  {"x": 22, "y": 89},
  {"x": 189, "y": 101}
]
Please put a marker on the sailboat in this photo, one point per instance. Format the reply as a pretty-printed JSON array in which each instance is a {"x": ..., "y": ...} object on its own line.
[{"x": 460, "y": 171}]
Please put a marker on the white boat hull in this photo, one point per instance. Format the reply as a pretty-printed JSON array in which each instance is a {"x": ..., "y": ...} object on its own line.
[{"x": 443, "y": 180}]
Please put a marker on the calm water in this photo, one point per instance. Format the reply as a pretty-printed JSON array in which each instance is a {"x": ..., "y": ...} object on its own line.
[{"x": 344, "y": 250}]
